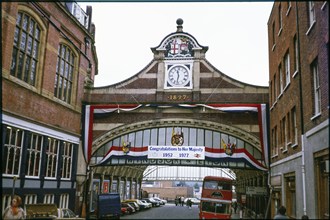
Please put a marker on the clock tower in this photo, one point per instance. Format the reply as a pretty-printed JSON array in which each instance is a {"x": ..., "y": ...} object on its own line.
[{"x": 179, "y": 55}]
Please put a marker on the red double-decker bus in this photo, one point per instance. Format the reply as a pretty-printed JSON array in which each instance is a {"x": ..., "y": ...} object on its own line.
[{"x": 216, "y": 198}]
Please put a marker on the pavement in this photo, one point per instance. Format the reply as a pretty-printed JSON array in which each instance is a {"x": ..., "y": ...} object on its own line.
[{"x": 239, "y": 215}]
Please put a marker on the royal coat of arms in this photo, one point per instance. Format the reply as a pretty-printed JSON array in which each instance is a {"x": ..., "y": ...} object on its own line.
[
  {"x": 177, "y": 138},
  {"x": 229, "y": 147},
  {"x": 126, "y": 147}
]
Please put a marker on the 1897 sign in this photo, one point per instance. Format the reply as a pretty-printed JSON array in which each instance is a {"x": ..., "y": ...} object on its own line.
[{"x": 178, "y": 97}]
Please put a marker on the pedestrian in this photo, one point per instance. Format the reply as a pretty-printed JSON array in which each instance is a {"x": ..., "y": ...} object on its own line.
[
  {"x": 281, "y": 213},
  {"x": 304, "y": 217},
  {"x": 182, "y": 201},
  {"x": 14, "y": 211},
  {"x": 176, "y": 201},
  {"x": 179, "y": 200},
  {"x": 189, "y": 202},
  {"x": 241, "y": 211},
  {"x": 235, "y": 206}
]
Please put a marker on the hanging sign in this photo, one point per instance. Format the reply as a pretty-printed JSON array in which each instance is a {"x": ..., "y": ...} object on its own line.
[
  {"x": 254, "y": 190},
  {"x": 176, "y": 152}
]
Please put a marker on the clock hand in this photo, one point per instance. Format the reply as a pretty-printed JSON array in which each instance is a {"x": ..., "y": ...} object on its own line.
[{"x": 177, "y": 75}]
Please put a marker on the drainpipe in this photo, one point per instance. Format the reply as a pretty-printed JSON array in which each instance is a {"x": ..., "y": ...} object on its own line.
[{"x": 303, "y": 172}]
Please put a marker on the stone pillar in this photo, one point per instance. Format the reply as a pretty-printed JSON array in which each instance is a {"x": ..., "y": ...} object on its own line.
[
  {"x": 125, "y": 189},
  {"x": 102, "y": 185},
  {"x": 137, "y": 190},
  {"x": 111, "y": 183},
  {"x": 130, "y": 189},
  {"x": 118, "y": 184}
]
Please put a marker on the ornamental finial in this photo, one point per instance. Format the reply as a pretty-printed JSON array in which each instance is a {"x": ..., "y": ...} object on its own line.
[{"x": 179, "y": 23}]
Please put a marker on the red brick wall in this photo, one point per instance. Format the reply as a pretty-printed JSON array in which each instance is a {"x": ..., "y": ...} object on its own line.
[
  {"x": 38, "y": 103},
  {"x": 313, "y": 45}
]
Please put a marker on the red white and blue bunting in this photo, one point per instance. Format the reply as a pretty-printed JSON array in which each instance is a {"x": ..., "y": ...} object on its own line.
[{"x": 141, "y": 153}]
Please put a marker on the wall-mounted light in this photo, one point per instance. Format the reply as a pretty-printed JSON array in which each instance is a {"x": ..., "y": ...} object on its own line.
[{"x": 87, "y": 41}]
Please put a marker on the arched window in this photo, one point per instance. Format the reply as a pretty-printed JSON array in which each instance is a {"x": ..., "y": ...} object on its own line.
[
  {"x": 26, "y": 49},
  {"x": 64, "y": 73}
]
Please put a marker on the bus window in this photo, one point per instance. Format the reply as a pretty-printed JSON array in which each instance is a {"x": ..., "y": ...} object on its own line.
[
  {"x": 216, "y": 207},
  {"x": 222, "y": 208},
  {"x": 224, "y": 186},
  {"x": 208, "y": 207},
  {"x": 210, "y": 185}
]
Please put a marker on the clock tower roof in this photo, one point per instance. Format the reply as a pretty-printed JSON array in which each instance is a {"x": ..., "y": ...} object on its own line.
[{"x": 179, "y": 44}]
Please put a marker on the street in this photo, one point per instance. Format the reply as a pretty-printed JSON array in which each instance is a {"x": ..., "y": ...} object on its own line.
[{"x": 170, "y": 211}]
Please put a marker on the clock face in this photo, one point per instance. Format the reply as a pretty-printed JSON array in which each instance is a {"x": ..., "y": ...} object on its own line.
[{"x": 178, "y": 75}]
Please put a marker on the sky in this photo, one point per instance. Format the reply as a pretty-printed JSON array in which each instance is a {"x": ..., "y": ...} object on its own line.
[{"x": 235, "y": 32}]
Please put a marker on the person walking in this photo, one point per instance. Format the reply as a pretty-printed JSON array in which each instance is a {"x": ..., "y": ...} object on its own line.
[
  {"x": 189, "y": 203},
  {"x": 281, "y": 213},
  {"x": 14, "y": 211},
  {"x": 235, "y": 206}
]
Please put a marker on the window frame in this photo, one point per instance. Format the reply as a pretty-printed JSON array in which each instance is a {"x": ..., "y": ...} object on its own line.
[
  {"x": 34, "y": 155},
  {"x": 287, "y": 68},
  {"x": 30, "y": 199},
  {"x": 49, "y": 198},
  {"x": 288, "y": 8},
  {"x": 27, "y": 32},
  {"x": 274, "y": 142},
  {"x": 281, "y": 84},
  {"x": 311, "y": 13},
  {"x": 39, "y": 68},
  {"x": 286, "y": 136},
  {"x": 65, "y": 93},
  {"x": 296, "y": 55},
  {"x": 15, "y": 147},
  {"x": 53, "y": 162},
  {"x": 294, "y": 127},
  {"x": 273, "y": 36},
  {"x": 280, "y": 19},
  {"x": 316, "y": 89},
  {"x": 67, "y": 159},
  {"x": 275, "y": 88}
]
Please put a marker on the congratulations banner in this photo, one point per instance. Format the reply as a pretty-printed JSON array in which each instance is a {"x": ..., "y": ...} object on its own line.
[{"x": 177, "y": 152}]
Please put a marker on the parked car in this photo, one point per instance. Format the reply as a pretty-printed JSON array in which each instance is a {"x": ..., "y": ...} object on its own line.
[
  {"x": 158, "y": 200},
  {"x": 134, "y": 204},
  {"x": 193, "y": 200},
  {"x": 161, "y": 201},
  {"x": 130, "y": 208},
  {"x": 147, "y": 203},
  {"x": 142, "y": 205},
  {"x": 152, "y": 201}
]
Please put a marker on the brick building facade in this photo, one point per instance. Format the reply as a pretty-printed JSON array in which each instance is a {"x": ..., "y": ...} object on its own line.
[
  {"x": 299, "y": 107},
  {"x": 48, "y": 58}
]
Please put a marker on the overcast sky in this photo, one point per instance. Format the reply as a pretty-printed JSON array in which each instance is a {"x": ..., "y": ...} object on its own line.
[{"x": 235, "y": 32}]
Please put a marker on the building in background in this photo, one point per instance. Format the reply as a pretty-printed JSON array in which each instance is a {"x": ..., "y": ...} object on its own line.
[
  {"x": 167, "y": 190},
  {"x": 298, "y": 35},
  {"x": 48, "y": 58}
]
